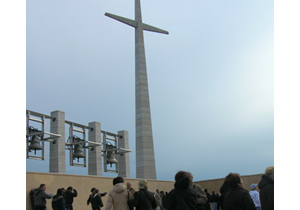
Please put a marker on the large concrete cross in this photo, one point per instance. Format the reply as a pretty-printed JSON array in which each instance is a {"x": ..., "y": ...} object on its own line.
[{"x": 145, "y": 160}]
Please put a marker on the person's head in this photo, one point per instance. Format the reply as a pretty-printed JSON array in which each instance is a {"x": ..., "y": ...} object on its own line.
[
  {"x": 205, "y": 190},
  {"x": 143, "y": 185},
  {"x": 43, "y": 187},
  {"x": 118, "y": 180},
  {"x": 129, "y": 185},
  {"x": 92, "y": 190},
  {"x": 59, "y": 191},
  {"x": 270, "y": 171},
  {"x": 180, "y": 174},
  {"x": 95, "y": 191},
  {"x": 157, "y": 190},
  {"x": 70, "y": 188},
  {"x": 213, "y": 192},
  {"x": 63, "y": 189},
  {"x": 253, "y": 186},
  {"x": 226, "y": 179},
  {"x": 234, "y": 180}
]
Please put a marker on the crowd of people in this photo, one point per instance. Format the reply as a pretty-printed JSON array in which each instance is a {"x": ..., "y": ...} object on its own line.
[{"x": 186, "y": 195}]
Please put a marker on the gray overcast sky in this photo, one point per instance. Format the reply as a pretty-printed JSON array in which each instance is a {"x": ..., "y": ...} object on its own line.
[{"x": 210, "y": 80}]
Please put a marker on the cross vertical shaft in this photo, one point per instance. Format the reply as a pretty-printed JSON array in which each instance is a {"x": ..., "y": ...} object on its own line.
[{"x": 145, "y": 160}]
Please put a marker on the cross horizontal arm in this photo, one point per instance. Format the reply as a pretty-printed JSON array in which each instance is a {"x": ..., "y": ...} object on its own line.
[
  {"x": 147, "y": 27},
  {"x": 122, "y": 19}
]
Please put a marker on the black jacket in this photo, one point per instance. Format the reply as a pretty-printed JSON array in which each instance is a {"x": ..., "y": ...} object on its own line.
[
  {"x": 96, "y": 202},
  {"x": 213, "y": 198},
  {"x": 266, "y": 186},
  {"x": 182, "y": 197},
  {"x": 238, "y": 199},
  {"x": 89, "y": 200},
  {"x": 223, "y": 190},
  {"x": 58, "y": 202},
  {"x": 207, "y": 205},
  {"x": 143, "y": 200},
  {"x": 69, "y": 195}
]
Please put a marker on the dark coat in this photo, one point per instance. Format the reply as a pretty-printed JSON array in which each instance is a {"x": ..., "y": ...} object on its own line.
[
  {"x": 89, "y": 200},
  {"x": 96, "y": 202},
  {"x": 58, "y": 202},
  {"x": 40, "y": 197},
  {"x": 182, "y": 197},
  {"x": 69, "y": 196},
  {"x": 207, "y": 205},
  {"x": 266, "y": 186},
  {"x": 223, "y": 190},
  {"x": 213, "y": 198},
  {"x": 143, "y": 200},
  {"x": 238, "y": 199}
]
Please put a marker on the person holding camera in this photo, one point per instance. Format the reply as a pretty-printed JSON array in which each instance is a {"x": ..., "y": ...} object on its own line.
[{"x": 69, "y": 194}]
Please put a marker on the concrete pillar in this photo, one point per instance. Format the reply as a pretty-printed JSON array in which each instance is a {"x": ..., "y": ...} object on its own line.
[
  {"x": 57, "y": 150},
  {"x": 95, "y": 155},
  {"x": 124, "y": 162}
]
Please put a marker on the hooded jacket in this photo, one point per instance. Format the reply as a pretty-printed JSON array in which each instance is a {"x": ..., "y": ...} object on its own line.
[
  {"x": 238, "y": 198},
  {"x": 201, "y": 195},
  {"x": 266, "y": 186},
  {"x": 183, "y": 196},
  {"x": 117, "y": 198},
  {"x": 58, "y": 202},
  {"x": 40, "y": 197}
]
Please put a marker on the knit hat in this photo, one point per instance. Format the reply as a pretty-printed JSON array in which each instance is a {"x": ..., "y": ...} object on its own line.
[
  {"x": 143, "y": 184},
  {"x": 253, "y": 186}
]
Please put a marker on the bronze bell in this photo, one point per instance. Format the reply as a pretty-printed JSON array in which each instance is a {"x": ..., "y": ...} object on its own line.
[
  {"x": 111, "y": 158},
  {"x": 35, "y": 144},
  {"x": 78, "y": 152}
]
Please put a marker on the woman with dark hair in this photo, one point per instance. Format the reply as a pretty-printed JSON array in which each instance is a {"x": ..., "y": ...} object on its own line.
[
  {"x": 96, "y": 200},
  {"x": 223, "y": 190},
  {"x": 183, "y": 196},
  {"x": 237, "y": 198},
  {"x": 58, "y": 201},
  {"x": 89, "y": 200}
]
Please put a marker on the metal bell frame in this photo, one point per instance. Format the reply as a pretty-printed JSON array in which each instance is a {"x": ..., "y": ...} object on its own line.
[
  {"x": 35, "y": 136},
  {"x": 78, "y": 146},
  {"x": 75, "y": 144},
  {"x": 111, "y": 151},
  {"x": 110, "y": 156}
]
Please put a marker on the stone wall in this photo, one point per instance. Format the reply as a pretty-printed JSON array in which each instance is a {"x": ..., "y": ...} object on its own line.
[{"x": 83, "y": 185}]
